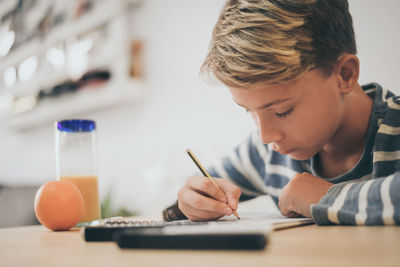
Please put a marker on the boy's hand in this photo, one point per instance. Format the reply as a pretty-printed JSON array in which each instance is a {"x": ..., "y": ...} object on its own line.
[
  {"x": 302, "y": 191},
  {"x": 200, "y": 200}
]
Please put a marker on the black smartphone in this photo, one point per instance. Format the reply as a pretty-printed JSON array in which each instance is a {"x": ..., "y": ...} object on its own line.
[{"x": 156, "y": 239}]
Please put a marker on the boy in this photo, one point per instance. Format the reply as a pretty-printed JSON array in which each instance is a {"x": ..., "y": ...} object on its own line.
[{"x": 326, "y": 147}]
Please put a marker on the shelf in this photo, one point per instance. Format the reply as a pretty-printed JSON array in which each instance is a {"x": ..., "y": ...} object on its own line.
[
  {"x": 82, "y": 102},
  {"x": 113, "y": 56},
  {"x": 93, "y": 19}
]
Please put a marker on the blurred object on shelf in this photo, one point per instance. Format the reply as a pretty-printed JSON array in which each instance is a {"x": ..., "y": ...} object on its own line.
[
  {"x": 94, "y": 78},
  {"x": 7, "y": 7},
  {"x": 78, "y": 58},
  {"x": 27, "y": 68},
  {"x": 23, "y": 21},
  {"x": 136, "y": 68},
  {"x": 7, "y": 38},
  {"x": 17, "y": 18},
  {"x": 34, "y": 15},
  {"x": 82, "y": 7},
  {"x": 24, "y": 103},
  {"x": 10, "y": 76},
  {"x": 98, "y": 77},
  {"x": 45, "y": 23},
  {"x": 58, "y": 90},
  {"x": 111, "y": 94},
  {"x": 56, "y": 56}
]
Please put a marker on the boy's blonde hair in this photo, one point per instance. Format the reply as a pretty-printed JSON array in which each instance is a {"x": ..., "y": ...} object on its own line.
[{"x": 272, "y": 41}]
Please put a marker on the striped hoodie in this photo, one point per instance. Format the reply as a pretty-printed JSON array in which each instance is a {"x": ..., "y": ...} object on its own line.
[{"x": 368, "y": 194}]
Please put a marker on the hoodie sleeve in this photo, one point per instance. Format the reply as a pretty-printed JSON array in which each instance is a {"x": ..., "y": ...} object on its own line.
[
  {"x": 372, "y": 202},
  {"x": 244, "y": 166}
]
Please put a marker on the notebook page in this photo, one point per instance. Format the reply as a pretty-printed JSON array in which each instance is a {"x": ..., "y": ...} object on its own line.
[{"x": 249, "y": 223}]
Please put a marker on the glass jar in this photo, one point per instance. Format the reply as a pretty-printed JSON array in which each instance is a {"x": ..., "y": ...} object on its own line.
[{"x": 76, "y": 161}]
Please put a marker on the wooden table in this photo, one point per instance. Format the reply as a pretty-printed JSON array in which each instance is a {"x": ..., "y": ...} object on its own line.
[{"x": 303, "y": 246}]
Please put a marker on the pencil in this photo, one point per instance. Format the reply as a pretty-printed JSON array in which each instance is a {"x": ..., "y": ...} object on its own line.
[{"x": 205, "y": 173}]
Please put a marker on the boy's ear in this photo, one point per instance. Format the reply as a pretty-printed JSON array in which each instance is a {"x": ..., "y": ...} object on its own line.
[{"x": 347, "y": 70}]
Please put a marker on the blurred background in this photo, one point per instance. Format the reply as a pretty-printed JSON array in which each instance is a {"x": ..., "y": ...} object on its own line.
[{"x": 133, "y": 67}]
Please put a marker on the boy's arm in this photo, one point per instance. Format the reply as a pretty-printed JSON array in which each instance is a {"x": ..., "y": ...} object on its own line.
[{"x": 372, "y": 202}]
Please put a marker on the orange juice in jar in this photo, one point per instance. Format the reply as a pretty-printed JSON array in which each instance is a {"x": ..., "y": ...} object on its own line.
[
  {"x": 76, "y": 162},
  {"x": 88, "y": 185}
]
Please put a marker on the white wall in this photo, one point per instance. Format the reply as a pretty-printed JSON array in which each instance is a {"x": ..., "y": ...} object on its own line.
[
  {"x": 142, "y": 145},
  {"x": 376, "y": 24}
]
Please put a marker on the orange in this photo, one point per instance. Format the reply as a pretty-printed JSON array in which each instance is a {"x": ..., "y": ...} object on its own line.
[{"x": 58, "y": 205}]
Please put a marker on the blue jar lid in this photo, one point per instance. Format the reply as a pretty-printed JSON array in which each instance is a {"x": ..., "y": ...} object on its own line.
[{"x": 76, "y": 125}]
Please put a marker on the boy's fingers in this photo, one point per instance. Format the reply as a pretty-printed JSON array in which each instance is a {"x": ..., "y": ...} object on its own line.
[
  {"x": 194, "y": 218},
  {"x": 206, "y": 186},
  {"x": 232, "y": 192},
  {"x": 284, "y": 212},
  {"x": 293, "y": 214},
  {"x": 199, "y": 202},
  {"x": 286, "y": 209},
  {"x": 233, "y": 199},
  {"x": 199, "y": 215}
]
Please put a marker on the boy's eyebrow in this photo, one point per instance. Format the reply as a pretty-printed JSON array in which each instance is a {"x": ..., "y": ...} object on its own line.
[{"x": 275, "y": 102}]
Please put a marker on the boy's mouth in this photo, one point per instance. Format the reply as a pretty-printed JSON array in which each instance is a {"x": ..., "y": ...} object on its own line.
[{"x": 283, "y": 151}]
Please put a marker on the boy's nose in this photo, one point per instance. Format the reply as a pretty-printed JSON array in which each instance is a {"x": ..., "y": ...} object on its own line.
[
  {"x": 268, "y": 132},
  {"x": 270, "y": 135}
]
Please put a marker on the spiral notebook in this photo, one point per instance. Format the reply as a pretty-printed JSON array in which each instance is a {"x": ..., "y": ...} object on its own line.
[{"x": 223, "y": 233}]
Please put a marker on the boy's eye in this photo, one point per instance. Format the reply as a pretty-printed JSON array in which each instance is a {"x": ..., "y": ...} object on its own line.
[{"x": 284, "y": 114}]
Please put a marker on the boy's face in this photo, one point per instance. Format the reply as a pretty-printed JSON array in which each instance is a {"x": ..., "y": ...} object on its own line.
[{"x": 297, "y": 117}]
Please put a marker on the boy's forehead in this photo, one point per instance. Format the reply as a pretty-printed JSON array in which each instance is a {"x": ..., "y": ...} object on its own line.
[{"x": 261, "y": 97}]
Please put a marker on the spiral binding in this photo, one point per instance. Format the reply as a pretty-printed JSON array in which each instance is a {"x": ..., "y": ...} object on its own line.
[
  {"x": 132, "y": 223},
  {"x": 146, "y": 223}
]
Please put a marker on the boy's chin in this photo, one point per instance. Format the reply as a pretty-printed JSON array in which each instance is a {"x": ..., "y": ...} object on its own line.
[{"x": 300, "y": 156}]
